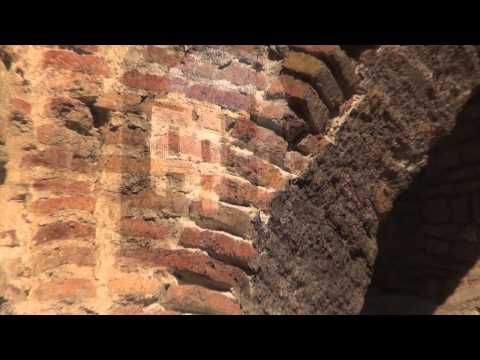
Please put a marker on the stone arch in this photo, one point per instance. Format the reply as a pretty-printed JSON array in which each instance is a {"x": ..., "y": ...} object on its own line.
[
  {"x": 428, "y": 245},
  {"x": 318, "y": 248}
]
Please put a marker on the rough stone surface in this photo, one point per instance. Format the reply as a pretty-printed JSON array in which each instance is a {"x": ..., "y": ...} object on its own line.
[{"x": 214, "y": 179}]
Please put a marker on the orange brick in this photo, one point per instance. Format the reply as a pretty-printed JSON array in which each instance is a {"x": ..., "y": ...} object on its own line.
[
  {"x": 53, "y": 205},
  {"x": 64, "y": 230},
  {"x": 219, "y": 245},
  {"x": 142, "y": 228},
  {"x": 149, "y": 82},
  {"x": 198, "y": 300},
  {"x": 66, "y": 290},
  {"x": 67, "y": 60},
  {"x": 188, "y": 264}
]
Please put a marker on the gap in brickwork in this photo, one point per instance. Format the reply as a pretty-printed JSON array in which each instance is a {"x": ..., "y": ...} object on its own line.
[
  {"x": 355, "y": 51},
  {"x": 6, "y": 58},
  {"x": 429, "y": 244},
  {"x": 3, "y": 172}
]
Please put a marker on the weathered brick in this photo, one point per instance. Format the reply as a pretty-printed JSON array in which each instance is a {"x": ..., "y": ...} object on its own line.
[
  {"x": 191, "y": 266},
  {"x": 125, "y": 164},
  {"x": 296, "y": 163},
  {"x": 149, "y": 82},
  {"x": 319, "y": 74},
  {"x": 53, "y": 257},
  {"x": 9, "y": 238},
  {"x": 255, "y": 170},
  {"x": 238, "y": 74},
  {"x": 73, "y": 113},
  {"x": 67, "y": 60},
  {"x": 241, "y": 192},
  {"x": 83, "y": 49},
  {"x": 140, "y": 310},
  {"x": 226, "y": 98},
  {"x": 211, "y": 119},
  {"x": 63, "y": 186},
  {"x": 142, "y": 228},
  {"x": 163, "y": 56},
  {"x": 304, "y": 99},
  {"x": 122, "y": 102},
  {"x": 173, "y": 203},
  {"x": 54, "y": 158},
  {"x": 312, "y": 144},
  {"x": 53, "y": 205},
  {"x": 218, "y": 216},
  {"x": 279, "y": 118},
  {"x": 219, "y": 245},
  {"x": 66, "y": 290},
  {"x": 174, "y": 111},
  {"x": 133, "y": 284},
  {"x": 64, "y": 230},
  {"x": 338, "y": 61},
  {"x": 198, "y": 300},
  {"x": 126, "y": 136},
  {"x": 263, "y": 142},
  {"x": 21, "y": 106}
]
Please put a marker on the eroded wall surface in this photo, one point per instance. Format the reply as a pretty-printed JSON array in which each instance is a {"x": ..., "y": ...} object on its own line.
[{"x": 210, "y": 179}]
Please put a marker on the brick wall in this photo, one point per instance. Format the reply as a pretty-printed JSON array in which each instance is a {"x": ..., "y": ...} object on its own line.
[
  {"x": 134, "y": 172},
  {"x": 132, "y": 175}
]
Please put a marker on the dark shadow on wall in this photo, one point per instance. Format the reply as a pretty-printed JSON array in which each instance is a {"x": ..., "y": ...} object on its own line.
[{"x": 430, "y": 240}]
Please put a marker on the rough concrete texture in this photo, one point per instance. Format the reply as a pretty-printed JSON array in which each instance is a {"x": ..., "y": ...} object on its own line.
[{"x": 195, "y": 179}]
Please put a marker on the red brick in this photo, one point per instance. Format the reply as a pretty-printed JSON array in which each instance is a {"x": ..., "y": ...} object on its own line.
[
  {"x": 140, "y": 310},
  {"x": 84, "y": 166},
  {"x": 67, "y": 60},
  {"x": 206, "y": 151},
  {"x": 255, "y": 170},
  {"x": 164, "y": 56},
  {"x": 142, "y": 228},
  {"x": 219, "y": 245},
  {"x": 241, "y": 192},
  {"x": 336, "y": 58},
  {"x": 198, "y": 300},
  {"x": 51, "y": 258},
  {"x": 238, "y": 74},
  {"x": 64, "y": 230},
  {"x": 133, "y": 284},
  {"x": 67, "y": 289},
  {"x": 218, "y": 216},
  {"x": 125, "y": 164},
  {"x": 63, "y": 186},
  {"x": 263, "y": 142},
  {"x": 21, "y": 106},
  {"x": 54, "y": 158},
  {"x": 149, "y": 82},
  {"x": 173, "y": 141},
  {"x": 319, "y": 74},
  {"x": 51, "y": 135},
  {"x": 312, "y": 144},
  {"x": 190, "y": 146},
  {"x": 228, "y": 99},
  {"x": 173, "y": 203},
  {"x": 307, "y": 101},
  {"x": 87, "y": 49},
  {"x": 53, "y": 205},
  {"x": 126, "y": 136},
  {"x": 191, "y": 266},
  {"x": 279, "y": 118}
]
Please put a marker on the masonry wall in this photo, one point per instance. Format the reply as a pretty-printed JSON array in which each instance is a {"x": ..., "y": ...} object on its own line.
[
  {"x": 130, "y": 174},
  {"x": 135, "y": 179}
]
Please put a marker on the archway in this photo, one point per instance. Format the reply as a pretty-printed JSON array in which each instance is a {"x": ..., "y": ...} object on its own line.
[{"x": 429, "y": 244}]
